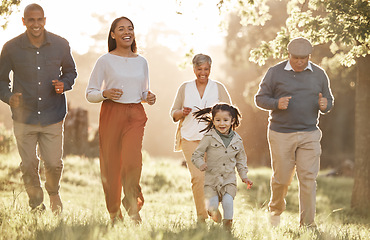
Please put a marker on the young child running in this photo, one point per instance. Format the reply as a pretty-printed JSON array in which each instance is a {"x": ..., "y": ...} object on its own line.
[{"x": 224, "y": 151}]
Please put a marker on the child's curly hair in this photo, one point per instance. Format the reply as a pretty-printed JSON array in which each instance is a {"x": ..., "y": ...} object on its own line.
[{"x": 208, "y": 114}]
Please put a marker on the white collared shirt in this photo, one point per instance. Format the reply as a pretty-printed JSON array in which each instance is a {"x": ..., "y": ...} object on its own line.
[{"x": 288, "y": 67}]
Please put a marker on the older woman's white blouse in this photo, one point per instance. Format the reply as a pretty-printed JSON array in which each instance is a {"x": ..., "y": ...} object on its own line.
[
  {"x": 191, "y": 127},
  {"x": 112, "y": 71}
]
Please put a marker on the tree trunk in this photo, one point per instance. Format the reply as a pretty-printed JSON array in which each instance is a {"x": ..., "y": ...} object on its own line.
[
  {"x": 76, "y": 132},
  {"x": 361, "y": 188}
]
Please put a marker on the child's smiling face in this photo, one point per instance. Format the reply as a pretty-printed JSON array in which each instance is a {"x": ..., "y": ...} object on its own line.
[{"x": 223, "y": 121}]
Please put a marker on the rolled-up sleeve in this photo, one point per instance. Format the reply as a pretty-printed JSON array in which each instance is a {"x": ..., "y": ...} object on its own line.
[
  {"x": 69, "y": 72},
  {"x": 179, "y": 100},
  {"x": 5, "y": 68}
]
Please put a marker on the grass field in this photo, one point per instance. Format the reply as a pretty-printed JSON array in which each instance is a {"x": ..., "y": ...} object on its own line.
[{"x": 169, "y": 212}]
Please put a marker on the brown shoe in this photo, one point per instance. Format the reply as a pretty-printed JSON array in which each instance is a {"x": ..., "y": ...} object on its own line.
[{"x": 56, "y": 204}]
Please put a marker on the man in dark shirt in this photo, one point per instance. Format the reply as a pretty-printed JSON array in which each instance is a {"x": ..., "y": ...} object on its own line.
[
  {"x": 43, "y": 69},
  {"x": 295, "y": 92}
]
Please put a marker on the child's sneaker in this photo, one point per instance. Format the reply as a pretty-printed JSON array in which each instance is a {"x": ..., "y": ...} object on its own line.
[
  {"x": 227, "y": 224},
  {"x": 274, "y": 220}
]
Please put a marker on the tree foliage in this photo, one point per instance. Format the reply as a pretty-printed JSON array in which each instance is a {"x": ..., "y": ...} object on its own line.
[
  {"x": 345, "y": 25},
  {"x": 6, "y": 9}
]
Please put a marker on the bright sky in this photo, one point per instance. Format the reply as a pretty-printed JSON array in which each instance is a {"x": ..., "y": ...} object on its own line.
[{"x": 198, "y": 25}]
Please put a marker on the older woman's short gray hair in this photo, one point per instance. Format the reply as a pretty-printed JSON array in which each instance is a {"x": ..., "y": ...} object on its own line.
[{"x": 199, "y": 59}]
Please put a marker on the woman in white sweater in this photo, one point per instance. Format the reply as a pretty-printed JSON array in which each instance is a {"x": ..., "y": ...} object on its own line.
[
  {"x": 192, "y": 96},
  {"x": 120, "y": 80}
]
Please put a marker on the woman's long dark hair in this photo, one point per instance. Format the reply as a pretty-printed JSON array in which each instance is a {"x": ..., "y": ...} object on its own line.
[
  {"x": 112, "y": 42},
  {"x": 208, "y": 114}
]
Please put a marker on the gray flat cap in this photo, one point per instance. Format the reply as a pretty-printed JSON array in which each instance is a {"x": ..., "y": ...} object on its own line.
[{"x": 300, "y": 47}]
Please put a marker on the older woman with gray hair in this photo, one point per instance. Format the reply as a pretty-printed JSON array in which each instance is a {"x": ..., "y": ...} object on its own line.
[{"x": 192, "y": 95}]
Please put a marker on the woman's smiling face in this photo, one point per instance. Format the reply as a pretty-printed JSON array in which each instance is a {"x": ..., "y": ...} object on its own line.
[
  {"x": 124, "y": 33},
  {"x": 202, "y": 72}
]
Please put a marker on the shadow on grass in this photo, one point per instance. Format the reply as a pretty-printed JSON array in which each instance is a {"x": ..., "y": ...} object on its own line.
[
  {"x": 99, "y": 231},
  {"x": 77, "y": 231},
  {"x": 200, "y": 232}
]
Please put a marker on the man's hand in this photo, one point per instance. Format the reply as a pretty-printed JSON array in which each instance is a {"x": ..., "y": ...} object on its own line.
[
  {"x": 15, "y": 100},
  {"x": 58, "y": 86},
  {"x": 323, "y": 102},
  {"x": 284, "y": 102}
]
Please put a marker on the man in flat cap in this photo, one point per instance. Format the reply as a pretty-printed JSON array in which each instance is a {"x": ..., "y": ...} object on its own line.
[{"x": 295, "y": 92}]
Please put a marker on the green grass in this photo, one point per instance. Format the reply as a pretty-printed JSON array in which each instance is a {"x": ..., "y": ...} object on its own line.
[{"x": 169, "y": 211}]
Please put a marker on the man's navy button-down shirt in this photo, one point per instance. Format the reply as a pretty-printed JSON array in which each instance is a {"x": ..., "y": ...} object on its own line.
[{"x": 33, "y": 70}]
